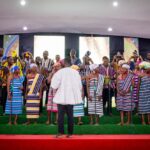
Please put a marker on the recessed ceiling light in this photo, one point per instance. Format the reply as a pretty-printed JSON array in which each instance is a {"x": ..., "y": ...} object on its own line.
[
  {"x": 115, "y": 4},
  {"x": 22, "y": 2},
  {"x": 109, "y": 29},
  {"x": 25, "y": 28}
]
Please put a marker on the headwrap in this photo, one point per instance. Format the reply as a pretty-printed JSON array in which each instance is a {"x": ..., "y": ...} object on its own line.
[
  {"x": 93, "y": 66},
  {"x": 33, "y": 65},
  {"x": 14, "y": 53},
  {"x": 126, "y": 66},
  {"x": 13, "y": 69},
  {"x": 27, "y": 54},
  {"x": 121, "y": 62},
  {"x": 75, "y": 67},
  {"x": 4, "y": 58},
  {"x": 144, "y": 65}
]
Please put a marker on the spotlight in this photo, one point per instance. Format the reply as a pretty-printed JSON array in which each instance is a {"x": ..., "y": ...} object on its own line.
[
  {"x": 22, "y": 2},
  {"x": 109, "y": 29},
  {"x": 115, "y": 4},
  {"x": 25, "y": 28}
]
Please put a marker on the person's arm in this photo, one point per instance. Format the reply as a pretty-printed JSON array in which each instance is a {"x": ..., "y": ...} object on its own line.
[
  {"x": 41, "y": 90},
  {"x": 83, "y": 60},
  {"x": 56, "y": 80},
  {"x": 139, "y": 82},
  {"x": 21, "y": 63},
  {"x": 27, "y": 84},
  {"x": 118, "y": 91},
  {"x": 49, "y": 78},
  {"x": 78, "y": 62},
  {"x": 132, "y": 82},
  {"x": 26, "y": 89},
  {"x": 87, "y": 87},
  {"x": 82, "y": 93},
  {"x": 83, "y": 78},
  {"x": 90, "y": 59},
  {"x": 8, "y": 86},
  {"x": 141, "y": 58},
  {"x": 113, "y": 73}
]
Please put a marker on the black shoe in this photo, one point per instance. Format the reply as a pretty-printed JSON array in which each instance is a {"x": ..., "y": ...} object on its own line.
[
  {"x": 59, "y": 135},
  {"x": 68, "y": 135}
]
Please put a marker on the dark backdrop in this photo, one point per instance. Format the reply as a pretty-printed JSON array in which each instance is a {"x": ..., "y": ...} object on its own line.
[{"x": 72, "y": 41}]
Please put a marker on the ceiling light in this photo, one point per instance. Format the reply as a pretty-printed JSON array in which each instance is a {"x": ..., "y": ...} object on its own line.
[
  {"x": 22, "y": 2},
  {"x": 25, "y": 28},
  {"x": 109, "y": 29},
  {"x": 115, "y": 4}
]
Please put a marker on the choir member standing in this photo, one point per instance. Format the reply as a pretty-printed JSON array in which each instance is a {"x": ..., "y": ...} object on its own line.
[{"x": 124, "y": 93}]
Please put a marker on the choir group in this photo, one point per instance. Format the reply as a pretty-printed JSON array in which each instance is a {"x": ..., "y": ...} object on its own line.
[{"x": 23, "y": 82}]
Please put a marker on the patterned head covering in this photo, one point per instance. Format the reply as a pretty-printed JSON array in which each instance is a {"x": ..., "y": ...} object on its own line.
[
  {"x": 75, "y": 67},
  {"x": 14, "y": 68},
  {"x": 121, "y": 62},
  {"x": 93, "y": 66},
  {"x": 33, "y": 65},
  {"x": 14, "y": 53},
  {"x": 144, "y": 65},
  {"x": 126, "y": 66},
  {"x": 27, "y": 54},
  {"x": 4, "y": 58}
]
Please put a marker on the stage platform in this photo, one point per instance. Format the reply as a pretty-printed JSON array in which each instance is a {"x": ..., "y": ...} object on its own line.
[{"x": 77, "y": 142}]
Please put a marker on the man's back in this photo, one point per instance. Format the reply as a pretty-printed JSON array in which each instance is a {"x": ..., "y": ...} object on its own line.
[{"x": 68, "y": 83}]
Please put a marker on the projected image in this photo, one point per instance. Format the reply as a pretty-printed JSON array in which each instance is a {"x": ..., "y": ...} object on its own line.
[
  {"x": 53, "y": 44},
  {"x": 130, "y": 44},
  {"x": 99, "y": 47},
  {"x": 11, "y": 43}
]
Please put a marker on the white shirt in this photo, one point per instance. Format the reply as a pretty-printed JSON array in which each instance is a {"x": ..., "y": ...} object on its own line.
[{"x": 67, "y": 81}]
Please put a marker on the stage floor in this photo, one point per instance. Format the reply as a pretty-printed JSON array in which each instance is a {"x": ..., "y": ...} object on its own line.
[
  {"x": 75, "y": 137},
  {"x": 84, "y": 142}
]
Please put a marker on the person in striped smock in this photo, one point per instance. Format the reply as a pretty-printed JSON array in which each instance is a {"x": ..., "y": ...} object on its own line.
[
  {"x": 144, "y": 93},
  {"x": 33, "y": 94},
  {"x": 14, "y": 101},
  {"x": 51, "y": 106},
  {"x": 124, "y": 94},
  {"x": 95, "y": 83},
  {"x": 78, "y": 109},
  {"x": 137, "y": 79}
]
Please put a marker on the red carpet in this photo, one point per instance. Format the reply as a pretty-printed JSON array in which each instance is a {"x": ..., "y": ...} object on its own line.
[{"x": 83, "y": 142}]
